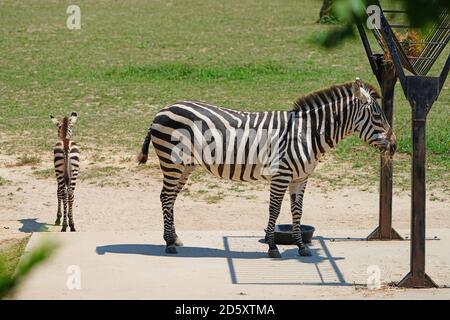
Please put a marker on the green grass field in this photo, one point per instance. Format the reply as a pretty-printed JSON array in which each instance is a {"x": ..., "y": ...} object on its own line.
[{"x": 129, "y": 60}]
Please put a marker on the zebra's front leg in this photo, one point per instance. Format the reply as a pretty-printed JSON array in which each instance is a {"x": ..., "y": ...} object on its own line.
[
  {"x": 296, "y": 191},
  {"x": 70, "y": 199},
  {"x": 59, "y": 213},
  {"x": 277, "y": 190}
]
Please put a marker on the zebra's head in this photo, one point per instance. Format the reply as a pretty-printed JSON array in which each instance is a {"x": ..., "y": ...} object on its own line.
[
  {"x": 65, "y": 125},
  {"x": 370, "y": 122}
]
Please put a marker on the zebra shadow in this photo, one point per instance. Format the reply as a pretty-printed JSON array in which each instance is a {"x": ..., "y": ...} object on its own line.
[
  {"x": 183, "y": 252},
  {"x": 321, "y": 255},
  {"x": 32, "y": 225},
  {"x": 239, "y": 269}
]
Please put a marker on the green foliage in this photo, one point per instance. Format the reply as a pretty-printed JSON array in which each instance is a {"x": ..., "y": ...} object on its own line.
[
  {"x": 421, "y": 14},
  {"x": 9, "y": 281},
  {"x": 329, "y": 20}
]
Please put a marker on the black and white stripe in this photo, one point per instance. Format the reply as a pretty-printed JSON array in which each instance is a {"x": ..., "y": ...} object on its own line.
[
  {"x": 66, "y": 160},
  {"x": 282, "y": 147}
]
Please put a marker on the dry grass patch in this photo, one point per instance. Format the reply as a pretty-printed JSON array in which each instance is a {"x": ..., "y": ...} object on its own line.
[
  {"x": 44, "y": 173},
  {"x": 26, "y": 160},
  {"x": 4, "y": 181}
]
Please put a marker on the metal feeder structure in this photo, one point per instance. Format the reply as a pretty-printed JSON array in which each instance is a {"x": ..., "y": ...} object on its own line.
[{"x": 421, "y": 91}]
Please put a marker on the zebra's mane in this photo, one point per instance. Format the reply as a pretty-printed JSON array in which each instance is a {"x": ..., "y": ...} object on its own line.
[
  {"x": 330, "y": 94},
  {"x": 64, "y": 126}
]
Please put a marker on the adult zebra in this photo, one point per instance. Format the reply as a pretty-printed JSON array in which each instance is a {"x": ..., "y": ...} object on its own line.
[{"x": 282, "y": 147}]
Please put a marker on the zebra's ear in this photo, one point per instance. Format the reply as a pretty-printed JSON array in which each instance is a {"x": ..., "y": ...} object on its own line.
[
  {"x": 54, "y": 120},
  {"x": 359, "y": 91},
  {"x": 73, "y": 118}
]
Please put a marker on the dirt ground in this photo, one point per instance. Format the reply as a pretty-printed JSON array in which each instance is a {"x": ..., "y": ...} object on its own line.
[
  {"x": 116, "y": 195},
  {"x": 125, "y": 197}
]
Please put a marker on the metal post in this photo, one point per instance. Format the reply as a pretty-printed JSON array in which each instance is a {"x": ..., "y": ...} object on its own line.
[
  {"x": 386, "y": 232},
  {"x": 388, "y": 83},
  {"x": 387, "y": 79},
  {"x": 421, "y": 92},
  {"x": 421, "y": 103},
  {"x": 386, "y": 76}
]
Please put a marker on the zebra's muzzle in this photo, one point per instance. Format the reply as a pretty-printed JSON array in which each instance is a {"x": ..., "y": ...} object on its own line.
[
  {"x": 389, "y": 145},
  {"x": 392, "y": 148}
]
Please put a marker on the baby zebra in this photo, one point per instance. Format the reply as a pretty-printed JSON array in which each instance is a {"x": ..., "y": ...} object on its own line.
[{"x": 66, "y": 158}]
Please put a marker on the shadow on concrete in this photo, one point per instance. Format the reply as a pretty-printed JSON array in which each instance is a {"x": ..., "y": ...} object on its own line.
[
  {"x": 199, "y": 252},
  {"x": 183, "y": 252},
  {"x": 31, "y": 225},
  {"x": 317, "y": 258}
]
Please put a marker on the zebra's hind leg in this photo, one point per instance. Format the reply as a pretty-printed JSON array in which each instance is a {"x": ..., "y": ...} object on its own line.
[
  {"x": 64, "y": 198},
  {"x": 296, "y": 191},
  {"x": 70, "y": 199},
  {"x": 172, "y": 177},
  {"x": 59, "y": 213},
  {"x": 183, "y": 179},
  {"x": 278, "y": 188}
]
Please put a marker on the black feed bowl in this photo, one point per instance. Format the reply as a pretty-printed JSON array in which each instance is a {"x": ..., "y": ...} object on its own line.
[{"x": 283, "y": 233}]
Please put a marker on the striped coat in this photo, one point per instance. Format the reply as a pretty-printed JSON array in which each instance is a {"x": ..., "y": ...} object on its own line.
[
  {"x": 282, "y": 147},
  {"x": 66, "y": 157}
]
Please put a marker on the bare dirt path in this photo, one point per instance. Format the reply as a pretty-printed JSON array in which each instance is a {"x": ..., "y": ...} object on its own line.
[{"x": 125, "y": 197}]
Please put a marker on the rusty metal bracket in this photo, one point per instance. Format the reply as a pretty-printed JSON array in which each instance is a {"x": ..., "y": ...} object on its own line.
[
  {"x": 387, "y": 78},
  {"x": 421, "y": 91}
]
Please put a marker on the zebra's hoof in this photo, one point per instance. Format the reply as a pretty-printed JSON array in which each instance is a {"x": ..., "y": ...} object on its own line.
[
  {"x": 64, "y": 229},
  {"x": 274, "y": 253},
  {"x": 178, "y": 242},
  {"x": 57, "y": 222},
  {"x": 304, "y": 252},
  {"x": 72, "y": 229},
  {"x": 171, "y": 249}
]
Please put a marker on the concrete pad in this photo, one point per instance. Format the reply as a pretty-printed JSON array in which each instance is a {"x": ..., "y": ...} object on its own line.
[{"x": 228, "y": 265}]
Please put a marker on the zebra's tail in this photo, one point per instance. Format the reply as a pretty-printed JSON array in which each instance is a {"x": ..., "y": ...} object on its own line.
[{"x": 143, "y": 155}]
